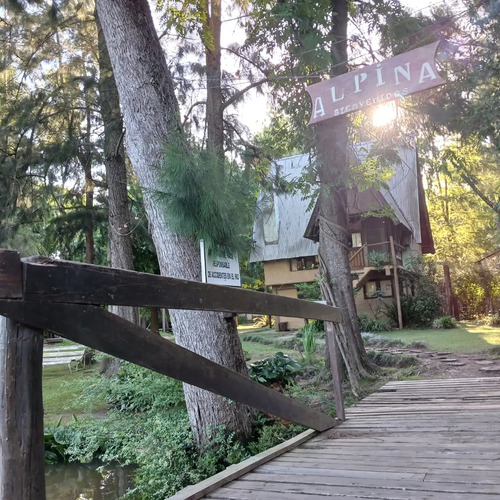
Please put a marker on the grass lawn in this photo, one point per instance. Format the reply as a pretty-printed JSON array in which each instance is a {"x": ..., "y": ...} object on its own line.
[
  {"x": 469, "y": 337},
  {"x": 61, "y": 391}
]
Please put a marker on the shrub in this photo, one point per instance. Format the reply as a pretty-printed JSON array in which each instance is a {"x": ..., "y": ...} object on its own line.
[
  {"x": 419, "y": 309},
  {"x": 493, "y": 320},
  {"x": 309, "y": 340},
  {"x": 445, "y": 323},
  {"x": 263, "y": 321},
  {"x": 417, "y": 344},
  {"x": 278, "y": 369},
  {"x": 393, "y": 360},
  {"x": 139, "y": 389},
  {"x": 378, "y": 259},
  {"x": 370, "y": 339},
  {"x": 257, "y": 338},
  {"x": 369, "y": 324},
  {"x": 309, "y": 291}
]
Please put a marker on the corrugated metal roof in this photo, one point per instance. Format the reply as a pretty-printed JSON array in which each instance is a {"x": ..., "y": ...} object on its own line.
[{"x": 291, "y": 215}]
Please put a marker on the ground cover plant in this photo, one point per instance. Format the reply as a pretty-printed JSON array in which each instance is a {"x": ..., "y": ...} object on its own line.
[{"x": 147, "y": 426}]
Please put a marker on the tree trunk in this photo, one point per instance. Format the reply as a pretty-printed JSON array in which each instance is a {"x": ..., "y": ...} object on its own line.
[
  {"x": 151, "y": 117},
  {"x": 215, "y": 112},
  {"x": 120, "y": 229},
  {"x": 336, "y": 280}
]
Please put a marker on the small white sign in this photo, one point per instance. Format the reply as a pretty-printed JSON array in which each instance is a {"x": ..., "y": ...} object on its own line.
[{"x": 222, "y": 268}]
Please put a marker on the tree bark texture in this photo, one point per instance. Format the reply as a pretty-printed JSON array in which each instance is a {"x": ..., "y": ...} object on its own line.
[
  {"x": 215, "y": 112},
  {"x": 336, "y": 280},
  {"x": 119, "y": 224},
  {"x": 21, "y": 412},
  {"x": 151, "y": 117}
]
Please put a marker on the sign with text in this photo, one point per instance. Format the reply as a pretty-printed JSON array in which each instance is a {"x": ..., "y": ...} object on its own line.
[
  {"x": 393, "y": 78},
  {"x": 222, "y": 268}
]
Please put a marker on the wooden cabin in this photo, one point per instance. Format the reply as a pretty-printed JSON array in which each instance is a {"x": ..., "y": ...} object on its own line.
[{"x": 286, "y": 232}]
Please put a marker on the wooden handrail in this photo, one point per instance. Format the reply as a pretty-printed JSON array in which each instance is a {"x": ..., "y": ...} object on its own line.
[
  {"x": 354, "y": 255},
  {"x": 65, "y": 297},
  {"x": 71, "y": 282}
]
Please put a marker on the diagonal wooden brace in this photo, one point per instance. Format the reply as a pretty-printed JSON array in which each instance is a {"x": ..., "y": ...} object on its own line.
[{"x": 96, "y": 328}]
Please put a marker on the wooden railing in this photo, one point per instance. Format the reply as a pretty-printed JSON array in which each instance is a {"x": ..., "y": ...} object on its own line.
[
  {"x": 359, "y": 257},
  {"x": 39, "y": 294}
]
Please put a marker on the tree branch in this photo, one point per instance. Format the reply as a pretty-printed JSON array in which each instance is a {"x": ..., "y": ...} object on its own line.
[
  {"x": 238, "y": 95},
  {"x": 186, "y": 116}
]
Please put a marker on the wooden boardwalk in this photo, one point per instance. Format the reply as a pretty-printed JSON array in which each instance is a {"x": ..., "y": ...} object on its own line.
[{"x": 410, "y": 440}]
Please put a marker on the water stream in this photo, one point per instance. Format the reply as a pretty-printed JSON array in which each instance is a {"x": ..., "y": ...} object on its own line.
[{"x": 85, "y": 482}]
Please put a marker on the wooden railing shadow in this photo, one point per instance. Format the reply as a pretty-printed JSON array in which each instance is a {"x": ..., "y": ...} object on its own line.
[{"x": 66, "y": 298}]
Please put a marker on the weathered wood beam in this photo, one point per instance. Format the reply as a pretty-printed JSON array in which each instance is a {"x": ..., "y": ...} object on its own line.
[
  {"x": 22, "y": 464},
  {"x": 11, "y": 281},
  {"x": 95, "y": 327},
  {"x": 70, "y": 282}
]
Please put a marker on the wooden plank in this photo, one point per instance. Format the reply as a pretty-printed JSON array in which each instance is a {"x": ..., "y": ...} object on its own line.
[
  {"x": 335, "y": 366},
  {"x": 106, "y": 332},
  {"x": 443, "y": 447},
  {"x": 374, "y": 482},
  {"x": 21, "y": 412},
  {"x": 196, "y": 491},
  {"x": 11, "y": 279},
  {"x": 61, "y": 281},
  {"x": 362, "y": 489}
]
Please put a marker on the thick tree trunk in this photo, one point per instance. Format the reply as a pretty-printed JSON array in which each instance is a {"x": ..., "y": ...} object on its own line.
[
  {"x": 120, "y": 229},
  {"x": 336, "y": 280},
  {"x": 151, "y": 117}
]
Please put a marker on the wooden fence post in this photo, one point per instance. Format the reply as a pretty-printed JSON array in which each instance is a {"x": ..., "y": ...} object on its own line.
[
  {"x": 22, "y": 467},
  {"x": 22, "y": 474},
  {"x": 335, "y": 366},
  {"x": 396, "y": 283}
]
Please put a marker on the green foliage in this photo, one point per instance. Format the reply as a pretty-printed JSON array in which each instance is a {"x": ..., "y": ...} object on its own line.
[
  {"x": 263, "y": 321},
  {"x": 478, "y": 291},
  {"x": 154, "y": 436},
  {"x": 493, "y": 320},
  {"x": 369, "y": 324},
  {"x": 370, "y": 339},
  {"x": 378, "y": 259},
  {"x": 309, "y": 340},
  {"x": 206, "y": 198},
  {"x": 421, "y": 300},
  {"x": 392, "y": 360},
  {"x": 445, "y": 323},
  {"x": 309, "y": 291},
  {"x": 279, "y": 369},
  {"x": 54, "y": 443},
  {"x": 138, "y": 389},
  {"x": 257, "y": 338}
]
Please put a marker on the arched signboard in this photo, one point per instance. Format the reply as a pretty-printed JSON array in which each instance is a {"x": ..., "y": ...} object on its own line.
[{"x": 393, "y": 78}]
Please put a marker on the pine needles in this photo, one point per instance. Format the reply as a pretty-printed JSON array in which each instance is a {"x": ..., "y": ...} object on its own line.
[{"x": 206, "y": 197}]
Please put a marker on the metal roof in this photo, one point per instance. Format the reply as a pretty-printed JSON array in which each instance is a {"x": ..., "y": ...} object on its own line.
[{"x": 282, "y": 219}]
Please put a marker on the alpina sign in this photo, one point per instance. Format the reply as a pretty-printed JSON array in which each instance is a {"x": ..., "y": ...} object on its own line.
[{"x": 393, "y": 78}]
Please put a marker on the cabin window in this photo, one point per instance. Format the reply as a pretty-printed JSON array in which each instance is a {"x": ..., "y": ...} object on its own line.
[
  {"x": 356, "y": 240},
  {"x": 304, "y": 263},
  {"x": 378, "y": 289}
]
